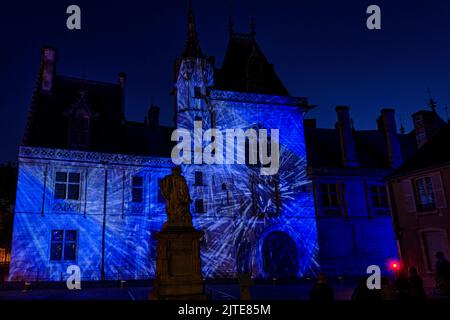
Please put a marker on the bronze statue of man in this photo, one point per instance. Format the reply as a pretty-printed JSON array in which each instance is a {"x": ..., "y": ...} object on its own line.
[{"x": 175, "y": 190}]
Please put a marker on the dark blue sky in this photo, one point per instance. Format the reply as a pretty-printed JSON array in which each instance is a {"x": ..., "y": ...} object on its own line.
[{"x": 321, "y": 49}]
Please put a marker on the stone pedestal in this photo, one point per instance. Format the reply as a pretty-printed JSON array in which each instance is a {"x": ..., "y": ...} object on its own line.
[{"x": 178, "y": 265}]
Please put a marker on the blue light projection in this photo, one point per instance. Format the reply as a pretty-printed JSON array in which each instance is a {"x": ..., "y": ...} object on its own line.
[
  {"x": 129, "y": 251},
  {"x": 264, "y": 225},
  {"x": 243, "y": 211}
]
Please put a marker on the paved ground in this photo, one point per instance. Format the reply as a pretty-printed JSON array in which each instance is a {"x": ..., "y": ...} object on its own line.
[{"x": 216, "y": 291}]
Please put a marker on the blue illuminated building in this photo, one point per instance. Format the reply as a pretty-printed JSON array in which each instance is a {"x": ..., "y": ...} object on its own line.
[{"x": 88, "y": 192}]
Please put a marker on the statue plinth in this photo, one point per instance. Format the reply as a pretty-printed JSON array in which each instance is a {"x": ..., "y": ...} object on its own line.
[{"x": 178, "y": 265}]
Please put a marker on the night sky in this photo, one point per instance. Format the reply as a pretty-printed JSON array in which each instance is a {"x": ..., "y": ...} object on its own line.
[{"x": 321, "y": 50}]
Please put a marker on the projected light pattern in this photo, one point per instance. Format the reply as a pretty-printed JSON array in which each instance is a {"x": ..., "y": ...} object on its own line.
[
  {"x": 264, "y": 225},
  {"x": 129, "y": 250},
  {"x": 241, "y": 208}
]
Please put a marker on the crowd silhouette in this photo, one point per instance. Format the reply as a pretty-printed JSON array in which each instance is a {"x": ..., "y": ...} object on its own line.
[{"x": 407, "y": 285}]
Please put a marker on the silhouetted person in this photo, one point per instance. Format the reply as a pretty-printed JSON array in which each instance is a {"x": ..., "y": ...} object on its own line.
[
  {"x": 442, "y": 274},
  {"x": 416, "y": 285},
  {"x": 322, "y": 291},
  {"x": 363, "y": 293},
  {"x": 402, "y": 286},
  {"x": 245, "y": 282},
  {"x": 387, "y": 291}
]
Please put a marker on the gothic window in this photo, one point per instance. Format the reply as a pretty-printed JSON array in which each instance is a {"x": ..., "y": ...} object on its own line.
[
  {"x": 137, "y": 192},
  {"x": 63, "y": 245},
  {"x": 199, "y": 206},
  {"x": 67, "y": 185}
]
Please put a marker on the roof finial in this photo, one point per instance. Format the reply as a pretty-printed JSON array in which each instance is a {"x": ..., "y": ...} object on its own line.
[
  {"x": 252, "y": 26},
  {"x": 230, "y": 25},
  {"x": 192, "y": 44},
  {"x": 431, "y": 103},
  {"x": 402, "y": 128}
]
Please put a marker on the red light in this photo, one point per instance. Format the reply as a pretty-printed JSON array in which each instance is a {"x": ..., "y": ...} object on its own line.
[{"x": 395, "y": 266}]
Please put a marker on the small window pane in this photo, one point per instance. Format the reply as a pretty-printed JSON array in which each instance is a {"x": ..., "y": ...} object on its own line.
[
  {"x": 71, "y": 235},
  {"x": 73, "y": 192},
  {"x": 334, "y": 200},
  {"x": 57, "y": 235},
  {"x": 56, "y": 251},
  {"x": 60, "y": 191},
  {"x": 198, "y": 178},
  {"x": 199, "y": 208},
  {"x": 137, "y": 181},
  {"x": 74, "y": 177},
  {"x": 137, "y": 195},
  {"x": 70, "y": 251},
  {"x": 61, "y": 176},
  {"x": 325, "y": 200}
]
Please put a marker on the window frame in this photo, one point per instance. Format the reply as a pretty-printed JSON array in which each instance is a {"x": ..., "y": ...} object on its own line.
[
  {"x": 377, "y": 206},
  {"x": 420, "y": 206},
  {"x": 63, "y": 244},
  {"x": 326, "y": 208},
  {"x": 135, "y": 187},
  {"x": 67, "y": 184}
]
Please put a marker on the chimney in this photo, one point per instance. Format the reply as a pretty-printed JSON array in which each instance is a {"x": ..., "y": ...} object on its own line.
[
  {"x": 48, "y": 68},
  {"x": 386, "y": 124},
  {"x": 344, "y": 128},
  {"x": 121, "y": 80},
  {"x": 153, "y": 116}
]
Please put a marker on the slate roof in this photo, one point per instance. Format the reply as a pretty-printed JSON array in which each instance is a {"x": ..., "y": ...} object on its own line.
[
  {"x": 324, "y": 150},
  {"x": 243, "y": 56},
  {"x": 48, "y": 120},
  {"x": 141, "y": 139},
  {"x": 434, "y": 153}
]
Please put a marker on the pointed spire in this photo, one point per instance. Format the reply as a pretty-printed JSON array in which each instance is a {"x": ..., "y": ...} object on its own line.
[
  {"x": 252, "y": 27},
  {"x": 431, "y": 103},
  {"x": 192, "y": 48},
  {"x": 230, "y": 25},
  {"x": 402, "y": 128}
]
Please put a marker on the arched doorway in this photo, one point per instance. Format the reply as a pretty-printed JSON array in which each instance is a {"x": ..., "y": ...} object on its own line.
[{"x": 279, "y": 254}]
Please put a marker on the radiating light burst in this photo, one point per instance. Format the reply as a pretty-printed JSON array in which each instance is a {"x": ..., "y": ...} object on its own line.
[{"x": 243, "y": 207}]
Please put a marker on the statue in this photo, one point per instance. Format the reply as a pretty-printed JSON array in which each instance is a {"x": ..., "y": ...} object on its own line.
[
  {"x": 178, "y": 265},
  {"x": 175, "y": 190}
]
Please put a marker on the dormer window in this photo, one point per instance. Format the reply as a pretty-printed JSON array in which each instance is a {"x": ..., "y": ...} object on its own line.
[
  {"x": 79, "y": 132},
  {"x": 80, "y": 123}
]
